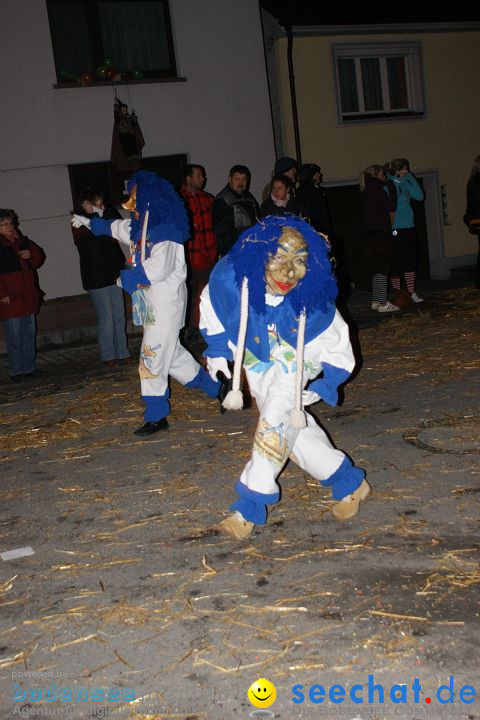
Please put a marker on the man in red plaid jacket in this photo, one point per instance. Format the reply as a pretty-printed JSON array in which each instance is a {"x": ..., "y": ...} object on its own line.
[{"x": 201, "y": 249}]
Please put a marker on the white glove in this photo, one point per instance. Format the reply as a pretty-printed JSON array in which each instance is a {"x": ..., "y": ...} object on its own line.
[
  {"x": 310, "y": 398},
  {"x": 79, "y": 220},
  {"x": 216, "y": 365}
]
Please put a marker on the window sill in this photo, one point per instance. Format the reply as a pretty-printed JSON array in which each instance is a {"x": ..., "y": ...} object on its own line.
[
  {"x": 380, "y": 118},
  {"x": 103, "y": 83}
]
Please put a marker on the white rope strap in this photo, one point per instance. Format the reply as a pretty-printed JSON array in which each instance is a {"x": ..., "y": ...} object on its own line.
[
  {"x": 234, "y": 399},
  {"x": 298, "y": 418}
]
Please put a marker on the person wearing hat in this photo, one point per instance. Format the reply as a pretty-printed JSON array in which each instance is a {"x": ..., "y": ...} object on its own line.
[
  {"x": 270, "y": 305},
  {"x": 284, "y": 166},
  {"x": 312, "y": 195}
]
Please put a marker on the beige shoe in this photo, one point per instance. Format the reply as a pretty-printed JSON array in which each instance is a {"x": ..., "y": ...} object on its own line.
[
  {"x": 236, "y": 526},
  {"x": 347, "y": 507}
]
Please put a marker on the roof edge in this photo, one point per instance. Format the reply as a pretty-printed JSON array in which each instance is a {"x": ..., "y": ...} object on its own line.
[{"x": 384, "y": 28}]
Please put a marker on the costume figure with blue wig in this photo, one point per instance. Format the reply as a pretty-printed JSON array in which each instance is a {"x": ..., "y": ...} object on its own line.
[
  {"x": 156, "y": 282},
  {"x": 270, "y": 305}
]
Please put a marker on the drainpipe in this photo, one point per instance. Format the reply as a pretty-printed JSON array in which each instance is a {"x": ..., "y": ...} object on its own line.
[{"x": 293, "y": 96}]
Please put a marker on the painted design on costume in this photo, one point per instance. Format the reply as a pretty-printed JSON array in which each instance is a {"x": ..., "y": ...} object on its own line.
[
  {"x": 280, "y": 352},
  {"x": 142, "y": 313},
  {"x": 147, "y": 358},
  {"x": 270, "y": 441},
  {"x": 144, "y": 372}
]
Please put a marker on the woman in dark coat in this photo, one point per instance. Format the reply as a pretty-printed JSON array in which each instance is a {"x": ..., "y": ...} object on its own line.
[
  {"x": 313, "y": 198},
  {"x": 101, "y": 260},
  {"x": 377, "y": 204},
  {"x": 473, "y": 209},
  {"x": 281, "y": 200},
  {"x": 20, "y": 295}
]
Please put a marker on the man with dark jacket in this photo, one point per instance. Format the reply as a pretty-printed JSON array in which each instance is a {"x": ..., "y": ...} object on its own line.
[
  {"x": 101, "y": 260},
  {"x": 234, "y": 209},
  {"x": 20, "y": 296}
]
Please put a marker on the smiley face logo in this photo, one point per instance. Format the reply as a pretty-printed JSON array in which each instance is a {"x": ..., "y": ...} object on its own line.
[{"x": 262, "y": 693}]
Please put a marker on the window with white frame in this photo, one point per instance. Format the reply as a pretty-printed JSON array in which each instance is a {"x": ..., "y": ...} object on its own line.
[{"x": 376, "y": 81}]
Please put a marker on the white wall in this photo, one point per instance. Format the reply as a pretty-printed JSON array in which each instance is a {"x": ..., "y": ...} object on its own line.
[{"x": 218, "y": 117}]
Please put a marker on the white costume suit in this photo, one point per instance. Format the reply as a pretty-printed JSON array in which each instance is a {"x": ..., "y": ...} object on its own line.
[
  {"x": 161, "y": 308},
  {"x": 273, "y": 386}
]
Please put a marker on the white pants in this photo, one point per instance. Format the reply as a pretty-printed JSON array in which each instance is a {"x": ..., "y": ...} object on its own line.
[
  {"x": 162, "y": 355},
  {"x": 276, "y": 440}
]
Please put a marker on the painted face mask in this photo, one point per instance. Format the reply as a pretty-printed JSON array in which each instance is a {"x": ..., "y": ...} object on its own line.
[
  {"x": 288, "y": 266},
  {"x": 131, "y": 204}
]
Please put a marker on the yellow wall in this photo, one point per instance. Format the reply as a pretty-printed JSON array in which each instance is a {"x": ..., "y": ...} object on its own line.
[{"x": 447, "y": 139}]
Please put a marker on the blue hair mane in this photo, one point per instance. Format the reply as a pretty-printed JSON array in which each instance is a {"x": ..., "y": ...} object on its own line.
[
  {"x": 165, "y": 206},
  {"x": 250, "y": 254}
]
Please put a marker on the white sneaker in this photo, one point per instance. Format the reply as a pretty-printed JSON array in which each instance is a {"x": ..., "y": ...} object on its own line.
[
  {"x": 416, "y": 298},
  {"x": 375, "y": 304},
  {"x": 388, "y": 307}
]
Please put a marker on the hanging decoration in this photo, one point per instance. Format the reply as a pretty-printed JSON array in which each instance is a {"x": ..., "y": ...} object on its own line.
[
  {"x": 127, "y": 138},
  {"x": 86, "y": 79}
]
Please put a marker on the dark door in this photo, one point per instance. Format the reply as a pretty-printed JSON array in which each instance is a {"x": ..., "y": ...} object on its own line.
[
  {"x": 112, "y": 181},
  {"x": 348, "y": 244}
]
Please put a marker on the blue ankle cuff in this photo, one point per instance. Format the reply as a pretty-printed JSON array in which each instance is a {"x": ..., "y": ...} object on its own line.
[
  {"x": 203, "y": 381},
  {"x": 253, "y": 505},
  {"x": 156, "y": 407},
  {"x": 345, "y": 480}
]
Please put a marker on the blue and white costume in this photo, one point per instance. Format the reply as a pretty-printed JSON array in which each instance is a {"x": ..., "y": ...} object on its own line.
[
  {"x": 270, "y": 358},
  {"x": 159, "y": 293}
]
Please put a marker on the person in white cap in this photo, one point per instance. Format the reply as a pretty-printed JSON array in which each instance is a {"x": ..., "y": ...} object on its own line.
[{"x": 270, "y": 305}]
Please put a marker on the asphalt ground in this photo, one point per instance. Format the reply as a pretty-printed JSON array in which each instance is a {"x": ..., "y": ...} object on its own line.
[{"x": 131, "y": 589}]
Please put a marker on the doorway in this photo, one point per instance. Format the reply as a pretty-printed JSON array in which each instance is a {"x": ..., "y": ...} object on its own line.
[{"x": 348, "y": 243}]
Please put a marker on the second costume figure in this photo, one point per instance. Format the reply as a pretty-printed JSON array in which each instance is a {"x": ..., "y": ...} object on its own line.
[{"x": 156, "y": 282}]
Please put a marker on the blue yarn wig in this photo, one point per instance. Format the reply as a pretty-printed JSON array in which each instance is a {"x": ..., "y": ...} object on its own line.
[
  {"x": 165, "y": 206},
  {"x": 250, "y": 254}
]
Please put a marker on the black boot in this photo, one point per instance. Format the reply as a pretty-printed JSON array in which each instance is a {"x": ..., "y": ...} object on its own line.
[{"x": 151, "y": 427}]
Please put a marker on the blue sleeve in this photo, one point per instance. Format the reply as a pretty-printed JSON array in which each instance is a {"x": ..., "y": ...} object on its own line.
[
  {"x": 98, "y": 226},
  {"x": 217, "y": 345},
  {"x": 132, "y": 278},
  {"x": 416, "y": 191},
  {"x": 327, "y": 386}
]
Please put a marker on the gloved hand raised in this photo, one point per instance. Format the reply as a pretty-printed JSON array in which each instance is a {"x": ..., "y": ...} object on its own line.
[
  {"x": 79, "y": 220},
  {"x": 216, "y": 365}
]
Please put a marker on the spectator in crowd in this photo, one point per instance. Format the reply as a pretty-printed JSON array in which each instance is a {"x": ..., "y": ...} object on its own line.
[
  {"x": 472, "y": 213},
  {"x": 201, "y": 248},
  {"x": 404, "y": 251},
  {"x": 313, "y": 198},
  {"x": 281, "y": 200},
  {"x": 284, "y": 166},
  {"x": 20, "y": 295},
  {"x": 101, "y": 260},
  {"x": 234, "y": 209},
  {"x": 378, "y": 203}
]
